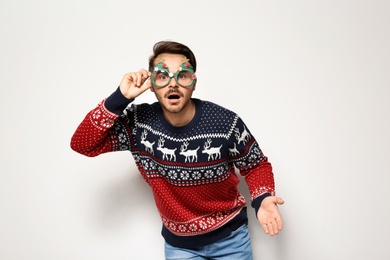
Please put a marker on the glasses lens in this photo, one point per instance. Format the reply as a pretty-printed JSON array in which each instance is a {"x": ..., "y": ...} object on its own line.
[
  {"x": 185, "y": 78},
  {"x": 161, "y": 78}
]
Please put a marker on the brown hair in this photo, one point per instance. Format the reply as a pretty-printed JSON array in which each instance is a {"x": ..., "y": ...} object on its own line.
[{"x": 172, "y": 48}]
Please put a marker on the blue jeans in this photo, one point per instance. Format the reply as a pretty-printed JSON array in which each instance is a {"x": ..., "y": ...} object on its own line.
[{"x": 236, "y": 246}]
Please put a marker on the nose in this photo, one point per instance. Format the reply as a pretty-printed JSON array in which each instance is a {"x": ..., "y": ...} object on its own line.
[{"x": 173, "y": 83}]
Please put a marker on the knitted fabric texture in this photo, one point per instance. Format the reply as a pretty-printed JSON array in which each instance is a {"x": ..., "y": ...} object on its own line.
[{"x": 191, "y": 169}]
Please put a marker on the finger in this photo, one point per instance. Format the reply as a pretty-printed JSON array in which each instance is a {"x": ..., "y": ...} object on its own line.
[
  {"x": 129, "y": 76},
  {"x": 144, "y": 73},
  {"x": 274, "y": 228},
  {"x": 270, "y": 229},
  {"x": 146, "y": 85},
  {"x": 265, "y": 228},
  {"x": 128, "y": 79},
  {"x": 133, "y": 78},
  {"x": 138, "y": 79},
  {"x": 278, "y": 218},
  {"x": 279, "y": 223}
]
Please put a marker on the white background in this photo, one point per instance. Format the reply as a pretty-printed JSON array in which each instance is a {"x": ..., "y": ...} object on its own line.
[{"x": 310, "y": 79}]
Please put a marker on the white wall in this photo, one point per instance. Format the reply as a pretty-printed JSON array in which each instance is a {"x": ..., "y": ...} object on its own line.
[{"x": 310, "y": 78}]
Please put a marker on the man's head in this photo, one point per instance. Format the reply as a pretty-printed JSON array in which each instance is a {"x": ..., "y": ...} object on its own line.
[
  {"x": 173, "y": 79},
  {"x": 172, "y": 48}
]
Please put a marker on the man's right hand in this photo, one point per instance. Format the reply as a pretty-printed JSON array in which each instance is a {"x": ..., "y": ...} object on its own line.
[{"x": 134, "y": 84}]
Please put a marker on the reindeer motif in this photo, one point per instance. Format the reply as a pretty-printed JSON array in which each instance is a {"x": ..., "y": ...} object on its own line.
[
  {"x": 233, "y": 151},
  {"x": 191, "y": 155},
  {"x": 148, "y": 145},
  {"x": 169, "y": 154},
  {"x": 211, "y": 151},
  {"x": 242, "y": 137}
]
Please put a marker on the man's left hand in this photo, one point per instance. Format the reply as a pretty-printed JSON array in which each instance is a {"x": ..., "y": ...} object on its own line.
[{"x": 269, "y": 216}]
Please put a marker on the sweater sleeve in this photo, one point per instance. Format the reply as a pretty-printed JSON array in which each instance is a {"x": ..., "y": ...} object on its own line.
[
  {"x": 103, "y": 129},
  {"x": 253, "y": 165},
  {"x": 261, "y": 183}
]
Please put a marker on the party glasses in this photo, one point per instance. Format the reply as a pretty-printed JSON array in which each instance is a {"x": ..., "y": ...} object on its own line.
[{"x": 184, "y": 76}]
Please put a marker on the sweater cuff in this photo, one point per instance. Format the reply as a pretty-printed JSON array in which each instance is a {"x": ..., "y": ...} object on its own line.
[
  {"x": 116, "y": 102},
  {"x": 256, "y": 203}
]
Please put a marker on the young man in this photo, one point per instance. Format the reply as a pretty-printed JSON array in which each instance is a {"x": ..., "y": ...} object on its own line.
[{"x": 187, "y": 150}]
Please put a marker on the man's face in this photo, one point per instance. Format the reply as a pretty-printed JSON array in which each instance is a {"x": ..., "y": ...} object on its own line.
[{"x": 173, "y": 97}]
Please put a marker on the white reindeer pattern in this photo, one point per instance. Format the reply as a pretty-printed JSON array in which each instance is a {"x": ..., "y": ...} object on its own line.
[
  {"x": 190, "y": 155},
  {"x": 243, "y": 137},
  {"x": 168, "y": 154},
  {"x": 148, "y": 145},
  {"x": 211, "y": 151},
  {"x": 233, "y": 151}
]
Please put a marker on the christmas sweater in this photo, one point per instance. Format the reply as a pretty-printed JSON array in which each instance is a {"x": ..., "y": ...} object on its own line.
[{"x": 190, "y": 169}]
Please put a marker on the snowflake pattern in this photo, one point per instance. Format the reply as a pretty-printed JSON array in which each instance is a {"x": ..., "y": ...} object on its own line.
[
  {"x": 199, "y": 225},
  {"x": 102, "y": 118},
  {"x": 107, "y": 122},
  {"x": 209, "y": 174},
  {"x": 172, "y": 175},
  {"x": 196, "y": 175},
  {"x": 122, "y": 138},
  {"x": 96, "y": 114},
  {"x": 260, "y": 191},
  {"x": 184, "y": 175}
]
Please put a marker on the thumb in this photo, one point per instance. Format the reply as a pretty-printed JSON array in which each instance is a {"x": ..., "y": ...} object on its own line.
[{"x": 279, "y": 201}]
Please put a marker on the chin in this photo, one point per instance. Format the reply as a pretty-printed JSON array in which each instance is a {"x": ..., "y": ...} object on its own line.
[{"x": 174, "y": 109}]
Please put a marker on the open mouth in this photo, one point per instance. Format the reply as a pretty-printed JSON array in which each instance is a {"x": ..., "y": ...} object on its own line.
[{"x": 173, "y": 96}]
